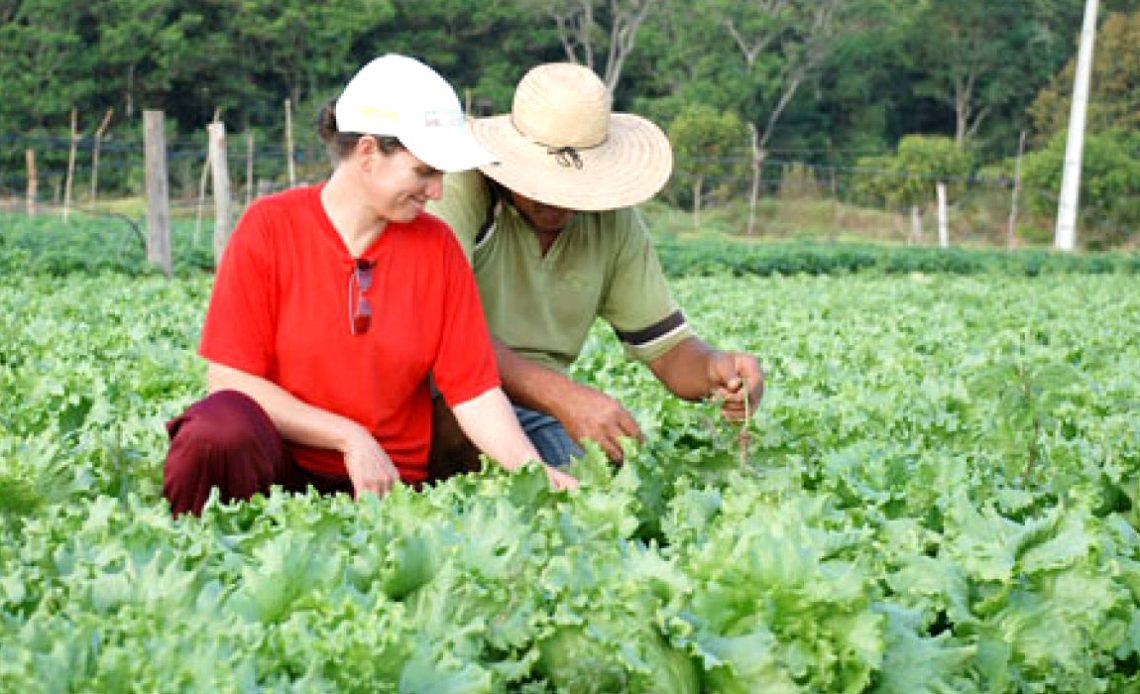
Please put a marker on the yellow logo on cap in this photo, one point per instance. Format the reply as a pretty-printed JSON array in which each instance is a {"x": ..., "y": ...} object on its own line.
[{"x": 380, "y": 113}]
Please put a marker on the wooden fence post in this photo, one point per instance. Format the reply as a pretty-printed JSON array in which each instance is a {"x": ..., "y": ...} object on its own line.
[
  {"x": 1011, "y": 232},
  {"x": 248, "y": 167},
  {"x": 289, "y": 143},
  {"x": 915, "y": 224},
  {"x": 943, "y": 218},
  {"x": 220, "y": 174},
  {"x": 70, "y": 165},
  {"x": 757, "y": 167},
  {"x": 157, "y": 191},
  {"x": 99, "y": 133},
  {"x": 33, "y": 183},
  {"x": 202, "y": 185}
]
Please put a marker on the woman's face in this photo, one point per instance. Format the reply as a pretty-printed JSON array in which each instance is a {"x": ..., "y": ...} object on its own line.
[{"x": 400, "y": 184}]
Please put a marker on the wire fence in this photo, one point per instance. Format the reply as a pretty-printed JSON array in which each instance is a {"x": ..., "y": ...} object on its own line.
[
  {"x": 120, "y": 168},
  {"x": 799, "y": 191}
]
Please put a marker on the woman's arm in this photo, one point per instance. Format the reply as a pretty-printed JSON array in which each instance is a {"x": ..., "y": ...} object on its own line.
[
  {"x": 369, "y": 467},
  {"x": 490, "y": 422}
]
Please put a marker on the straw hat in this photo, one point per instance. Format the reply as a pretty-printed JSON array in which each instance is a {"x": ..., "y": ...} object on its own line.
[{"x": 561, "y": 145}]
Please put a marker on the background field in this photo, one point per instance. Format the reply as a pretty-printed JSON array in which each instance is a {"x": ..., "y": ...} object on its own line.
[{"x": 831, "y": 114}]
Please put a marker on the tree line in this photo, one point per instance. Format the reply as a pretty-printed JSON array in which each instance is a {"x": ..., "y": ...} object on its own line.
[{"x": 825, "y": 82}]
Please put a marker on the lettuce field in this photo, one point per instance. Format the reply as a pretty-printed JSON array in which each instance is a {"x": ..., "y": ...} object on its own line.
[{"x": 940, "y": 493}]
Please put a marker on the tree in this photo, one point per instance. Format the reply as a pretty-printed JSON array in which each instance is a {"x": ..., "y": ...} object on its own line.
[
  {"x": 753, "y": 58},
  {"x": 482, "y": 48},
  {"x": 1114, "y": 101},
  {"x": 44, "y": 72},
  {"x": 702, "y": 141},
  {"x": 909, "y": 177},
  {"x": 589, "y": 29},
  {"x": 861, "y": 103},
  {"x": 1110, "y": 183},
  {"x": 978, "y": 57},
  {"x": 142, "y": 47},
  {"x": 782, "y": 43},
  {"x": 306, "y": 45}
]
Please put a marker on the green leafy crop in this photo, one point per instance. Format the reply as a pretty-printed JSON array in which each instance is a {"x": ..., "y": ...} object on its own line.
[{"x": 940, "y": 493}]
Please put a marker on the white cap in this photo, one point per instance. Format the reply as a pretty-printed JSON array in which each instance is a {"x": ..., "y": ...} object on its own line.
[{"x": 400, "y": 96}]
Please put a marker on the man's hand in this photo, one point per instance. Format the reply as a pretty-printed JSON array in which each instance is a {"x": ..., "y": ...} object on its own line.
[
  {"x": 734, "y": 376},
  {"x": 590, "y": 414},
  {"x": 369, "y": 467}
]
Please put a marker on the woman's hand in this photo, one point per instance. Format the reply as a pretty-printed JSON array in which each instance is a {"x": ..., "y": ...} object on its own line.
[
  {"x": 369, "y": 467},
  {"x": 560, "y": 480}
]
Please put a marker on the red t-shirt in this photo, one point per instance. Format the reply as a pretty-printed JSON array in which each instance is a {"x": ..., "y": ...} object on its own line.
[{"x": 280, "y": 309}]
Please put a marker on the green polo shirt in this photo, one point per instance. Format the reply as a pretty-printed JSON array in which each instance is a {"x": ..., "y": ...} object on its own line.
[{"x": 603, "y": 264}]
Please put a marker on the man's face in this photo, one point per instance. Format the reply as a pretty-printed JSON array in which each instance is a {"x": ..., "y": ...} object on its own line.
[{"x": 546, "y": 219}]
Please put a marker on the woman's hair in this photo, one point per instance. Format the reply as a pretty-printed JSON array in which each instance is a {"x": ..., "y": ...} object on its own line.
[{"x": 339, "y": 144}]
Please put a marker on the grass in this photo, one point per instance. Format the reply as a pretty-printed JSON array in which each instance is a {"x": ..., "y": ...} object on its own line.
[{"x": 980, "y": 221}]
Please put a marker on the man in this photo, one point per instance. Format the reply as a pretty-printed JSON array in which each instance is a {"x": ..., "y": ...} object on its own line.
[{"x": 555, "y": 242}]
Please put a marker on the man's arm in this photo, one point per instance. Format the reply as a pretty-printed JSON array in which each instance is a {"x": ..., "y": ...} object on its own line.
[
  {"x": 585, "y": 412},
  {"x": 692, "y": 370}
]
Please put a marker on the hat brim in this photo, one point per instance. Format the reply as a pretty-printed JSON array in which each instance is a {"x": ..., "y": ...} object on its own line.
[
  {"x": 447, "y": 149},
  {"x": 630, "y": 167}
]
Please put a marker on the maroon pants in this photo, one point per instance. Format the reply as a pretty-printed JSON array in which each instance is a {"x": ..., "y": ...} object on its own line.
[{"x": 227, "y": 441}]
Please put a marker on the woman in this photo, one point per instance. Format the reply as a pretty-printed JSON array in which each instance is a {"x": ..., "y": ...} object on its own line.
[{"x": 331, "y": 306}]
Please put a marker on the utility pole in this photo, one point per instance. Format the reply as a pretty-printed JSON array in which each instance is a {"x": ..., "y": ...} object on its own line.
[{"x": 1065, "y": 237}]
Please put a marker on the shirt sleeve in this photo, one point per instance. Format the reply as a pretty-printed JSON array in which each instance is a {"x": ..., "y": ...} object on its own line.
[
  {"x": 239, "y": 326},
  {"x": 637, "y": 302},
  {"x": 464, "y": 206},
  {"x": 465, "y": 365}
]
